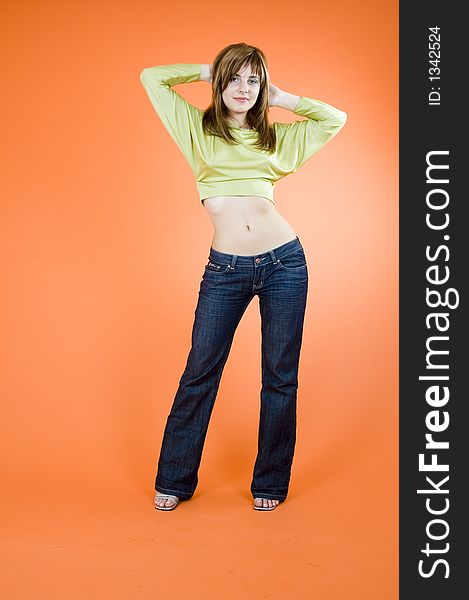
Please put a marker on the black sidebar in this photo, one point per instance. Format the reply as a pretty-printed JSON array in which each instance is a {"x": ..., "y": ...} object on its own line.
[{"x": 434, "y": 259}]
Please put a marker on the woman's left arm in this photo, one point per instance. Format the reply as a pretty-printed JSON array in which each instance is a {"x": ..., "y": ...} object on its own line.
[{"x": 304, "y": 138}]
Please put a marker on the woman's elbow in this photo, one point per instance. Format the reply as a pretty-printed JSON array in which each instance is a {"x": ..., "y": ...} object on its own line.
[
  {"x": 144, "y": 75},
  {"x": 342, "y": 118}
]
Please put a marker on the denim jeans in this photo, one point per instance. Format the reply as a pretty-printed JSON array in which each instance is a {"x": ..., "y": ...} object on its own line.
[{"x": 229, "y": 282}]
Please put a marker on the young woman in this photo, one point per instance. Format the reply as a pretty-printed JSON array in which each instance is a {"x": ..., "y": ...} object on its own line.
[{"x": 236, "y": 157}]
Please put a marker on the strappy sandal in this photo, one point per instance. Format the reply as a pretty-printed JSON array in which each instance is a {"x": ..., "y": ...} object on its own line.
[
  {"x": 265, "y": 507},
  {"x": 167, "y": 497}
]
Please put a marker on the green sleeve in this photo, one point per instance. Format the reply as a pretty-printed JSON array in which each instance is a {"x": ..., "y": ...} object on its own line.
[
  {"x": 182, "y": 120},
  {"x": 298, "y": 141}
]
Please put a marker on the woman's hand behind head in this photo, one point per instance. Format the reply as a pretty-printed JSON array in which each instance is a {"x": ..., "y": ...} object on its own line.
[
  {"x": 274, "y": 94},
  {"x": 206, "y": 73}
]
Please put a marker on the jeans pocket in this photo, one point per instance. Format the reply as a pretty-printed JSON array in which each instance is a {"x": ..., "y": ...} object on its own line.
[
  {"x": 295, "y": 261},
  {"x": 215, "y": 267}
]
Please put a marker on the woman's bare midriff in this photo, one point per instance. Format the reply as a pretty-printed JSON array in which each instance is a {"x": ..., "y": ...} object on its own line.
[{"x": 246, "y": 225}]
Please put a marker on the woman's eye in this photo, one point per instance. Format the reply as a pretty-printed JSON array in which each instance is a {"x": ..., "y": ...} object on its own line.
[{"x": 253, "y": 81}]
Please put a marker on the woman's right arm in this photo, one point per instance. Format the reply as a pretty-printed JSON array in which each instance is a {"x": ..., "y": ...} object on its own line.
[
  {"x": 182, "y": 120},
  {"x": 206, "y": 73}
]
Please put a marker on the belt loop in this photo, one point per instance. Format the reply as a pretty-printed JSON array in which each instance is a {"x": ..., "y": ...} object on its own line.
[
  {"x": 234, "y": 258},
  {"x": 273, "y": 257}
]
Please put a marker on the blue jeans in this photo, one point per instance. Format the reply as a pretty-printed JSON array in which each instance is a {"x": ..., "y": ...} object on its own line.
[{"x": 280, "y": 278}]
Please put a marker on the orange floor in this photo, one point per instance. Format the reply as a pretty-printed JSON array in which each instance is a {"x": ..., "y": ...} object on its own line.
[{"x": 335, "y": 539}]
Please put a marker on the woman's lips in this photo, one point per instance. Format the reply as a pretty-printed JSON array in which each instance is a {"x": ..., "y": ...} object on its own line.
[{"x": 241, "y": 99}]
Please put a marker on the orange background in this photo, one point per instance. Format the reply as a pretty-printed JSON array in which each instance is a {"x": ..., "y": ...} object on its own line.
[{"x": 103, "y": 242}]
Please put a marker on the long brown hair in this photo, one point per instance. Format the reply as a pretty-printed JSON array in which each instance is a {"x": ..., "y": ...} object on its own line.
[{"x": 228, "y": 62}]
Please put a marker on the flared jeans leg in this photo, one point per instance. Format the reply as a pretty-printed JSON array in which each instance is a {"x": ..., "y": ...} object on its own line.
[
  {"x": 282, "y": 308},
  {"x": 220, "y": 307}
]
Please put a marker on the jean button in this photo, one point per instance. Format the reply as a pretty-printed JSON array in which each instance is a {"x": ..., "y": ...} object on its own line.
[{"x": 257, "y": 260}]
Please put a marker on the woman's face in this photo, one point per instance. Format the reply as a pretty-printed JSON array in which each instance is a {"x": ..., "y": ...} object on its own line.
[{"x": 244, "y": 85}]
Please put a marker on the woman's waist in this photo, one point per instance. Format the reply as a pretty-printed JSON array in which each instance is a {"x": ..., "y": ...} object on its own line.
[
  {"x": 255, "y": 259},
  {"x": 249, "y": 237}
]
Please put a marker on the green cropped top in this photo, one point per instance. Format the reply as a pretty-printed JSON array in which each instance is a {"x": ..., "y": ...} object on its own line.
[{"x": 223, "y": 169}]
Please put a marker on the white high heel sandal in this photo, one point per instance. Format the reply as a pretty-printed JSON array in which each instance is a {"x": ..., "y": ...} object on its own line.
[
  {"x": 265, "y": 507},
  {"x": 175, "y": 499}
]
